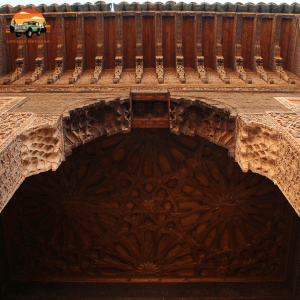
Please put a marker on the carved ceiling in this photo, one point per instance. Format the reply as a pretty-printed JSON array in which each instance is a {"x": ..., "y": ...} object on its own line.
[{"x": 148, "y": 204}]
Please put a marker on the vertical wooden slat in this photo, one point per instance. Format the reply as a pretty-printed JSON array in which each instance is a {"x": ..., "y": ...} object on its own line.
[
  {"x": 227, "y": 41},
  {"x": 32, "y": 46},
  {"x": 247, "y": 38},
  {"x": 208, "y": 41},
  {"x": 188, "y": 41},
  {"x": 71, "y": 42},
  {"x": 3, "y": 68},
  {"x": 265, "y": 41},
  {"x": 168, "y": 41},
  {"x": 12, "y": 48},
  {"x": 109, "y": 42},
  {"x": 148, "y": 42},
  {"x": 285, "y": 41},
  {"x": 52, "y": 45},
  {"x": 90, "y": 36},
  {"x": 129, "y": 42}
]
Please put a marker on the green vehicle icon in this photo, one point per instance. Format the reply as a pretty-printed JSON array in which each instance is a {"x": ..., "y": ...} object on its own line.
[{"x": 28, "y": 28}]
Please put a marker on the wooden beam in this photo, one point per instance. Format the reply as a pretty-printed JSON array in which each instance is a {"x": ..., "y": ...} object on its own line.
[
  {"x": 237, "y": 48},
  {"x": 218, "y": 58},
  {"x": 139, "y": 61},
  {"x": 275, "y": 59},
  {"x": 257, "y": 60},
  {"x": 80, "y": 57},
  {"x": 159, "y": 56},
  {"x": 100, "y": 43},
  {"x": 179, "y": 56},
  {"x": 119, "y": 57},
  {"x": 198, "y": 48},
  {"x": 60, "y": 60}
]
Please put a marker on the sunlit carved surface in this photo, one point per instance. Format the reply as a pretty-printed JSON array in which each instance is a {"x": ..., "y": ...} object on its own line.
[{"x": 148, "y": 204}]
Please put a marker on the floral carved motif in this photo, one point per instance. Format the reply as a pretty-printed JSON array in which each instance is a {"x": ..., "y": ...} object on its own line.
[{"x": 148, "y": 205}]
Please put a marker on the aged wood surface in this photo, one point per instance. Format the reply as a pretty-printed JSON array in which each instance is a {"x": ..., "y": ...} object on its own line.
[
  {"x": 109, "y": 42},
  {"x": 149, "y": 42},
  {"x": 90, "y": 36}
]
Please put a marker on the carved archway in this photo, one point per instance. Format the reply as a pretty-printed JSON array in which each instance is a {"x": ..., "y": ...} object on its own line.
[
  {"x": 144, "y": 206},
  {"x": 266, "y": 143}
]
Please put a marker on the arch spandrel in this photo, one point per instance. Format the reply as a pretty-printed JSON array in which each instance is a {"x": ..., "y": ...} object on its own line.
[{"x": 265, "y": 143}]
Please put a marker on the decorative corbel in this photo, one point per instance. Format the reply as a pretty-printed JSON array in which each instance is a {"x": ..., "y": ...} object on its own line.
[
  {"x": 276, "y": 60},
  {"x": 219, "y": 59},
  {"x": 160, "y": 69},
  {"x": 100, "y": 41},
  {"x": 159, "y": 57},
  {"x": 257, "y": 60},
  {"x": 98, "y": 65},
  {"x": 40, "y": 65},
  {"x": 180, "y": 68},
  {"x": 179, "y": 54},
  {"x": 258, "y": 65},
  {"x": 139, "y": 68},
  {"x": 277, "y": 66},
  {"x": 79, "y": 59},
  {"x": 200, "y": 68},
  {"x": 118, "y": 68},
  {"x": 238, "y": 64},
  {"x": 198, "y": 49},
  {"x": 219, "y": 62},
  {"x": 237, "y": 44},
  {"x": 60, "y": 61},
  {"x": 21, "y": 63},
  {"x": 139, "y": 60}
]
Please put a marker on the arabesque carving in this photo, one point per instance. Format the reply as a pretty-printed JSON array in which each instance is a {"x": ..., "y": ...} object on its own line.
[
  {"x": 139, "y": 60},
  {"x": 100, "y": 43},
  {"x": 179, "y": 54},
  {"x": 238, "y": 64},
  {"x": 89, "y": 122},
  {"x": 198, "y": 49},
  {"x": 257, "y": 60},
  {"x": 21, "y": 64},
  {"x": 40, "y": 65},
  {"x": 79, "y": 59},
  {"x": 60, "y": 61},
  {"x": 159, "y": 57},
  {"x": 119, "y": 61}
]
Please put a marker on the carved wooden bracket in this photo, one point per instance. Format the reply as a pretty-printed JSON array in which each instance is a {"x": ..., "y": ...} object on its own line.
[
  {"x": 101, "y": 118},
  {"x": 219, "y": 62},
  {"x": 40, "y": 65},
  {"x": 21, "y": 63},
  {"x": 200, "y": 68},
  {"x": 194, "y": 117},
  {"x": 100, "y": 41},
  {"x": 60, "y": 61},
  {"x": 160, "y": 68},
  {"x": 180, "y": 68},
  {"x": 79, "y": 59},
  {"x": 118, "y": 68},
  {"x": 159, "y": 56},
  {"x": 139, "y": 69},
  {"x": 277, "y": 66},
  {"x": 139, "y": 60},
  {"x": 238, "y": 64}
]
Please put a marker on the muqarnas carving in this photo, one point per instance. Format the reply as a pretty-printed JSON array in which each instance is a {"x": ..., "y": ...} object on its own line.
[
  {"x": 194, "y": 117},
  {"x": 90, "y": 122}
]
